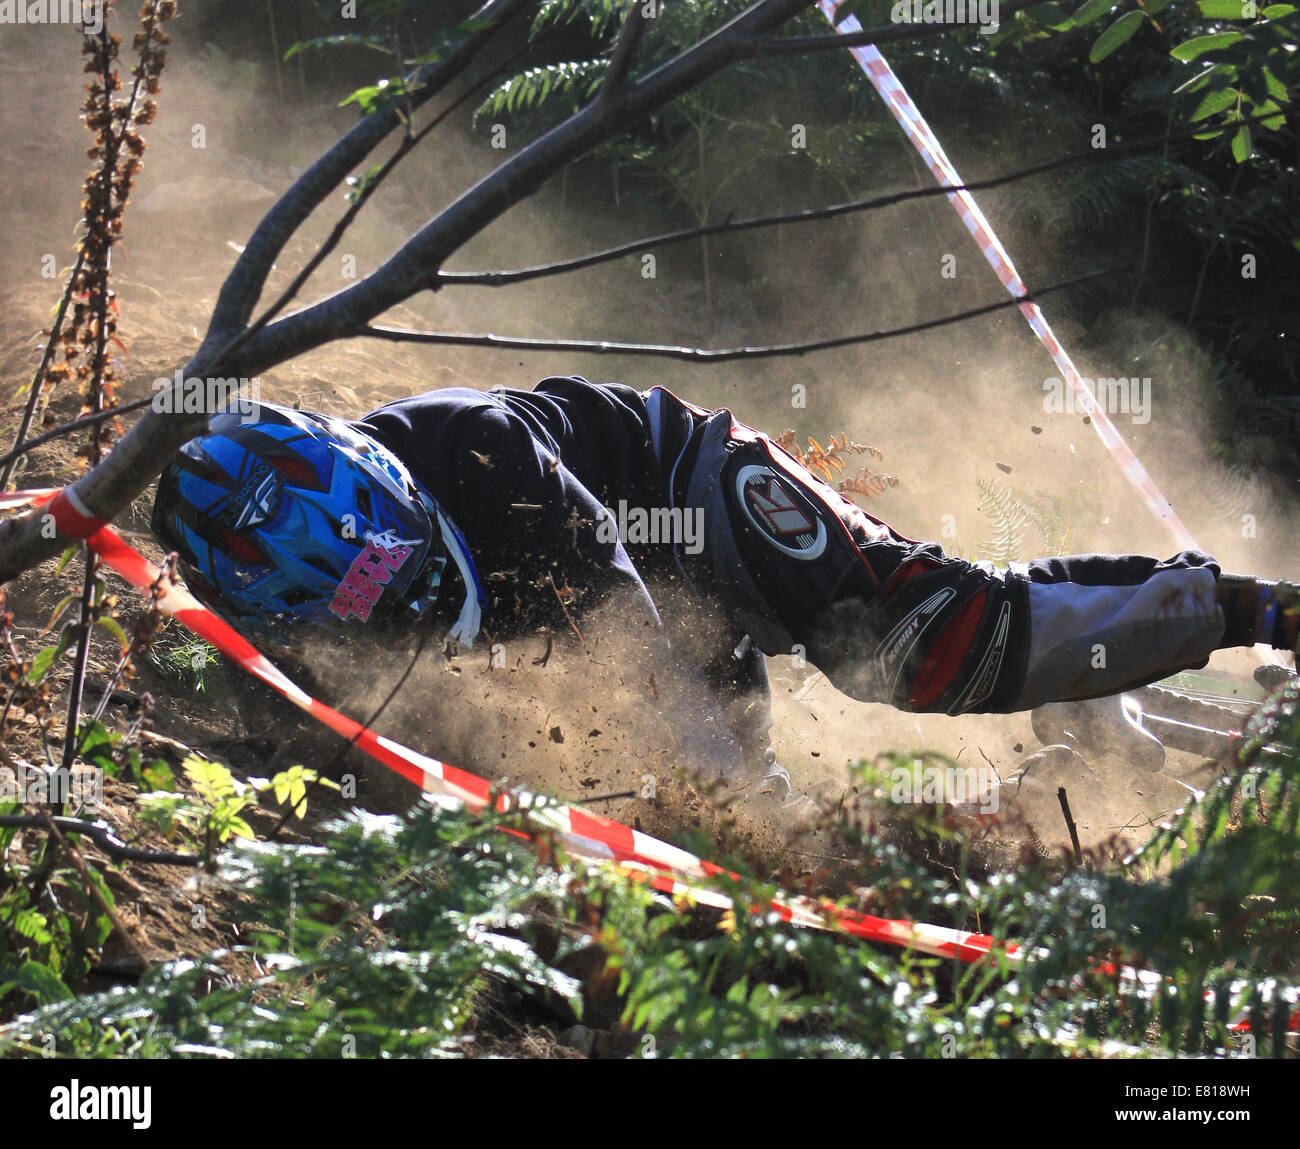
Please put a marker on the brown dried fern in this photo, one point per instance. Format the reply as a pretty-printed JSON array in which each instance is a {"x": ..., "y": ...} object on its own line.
[{"x": 829, "y": 463}]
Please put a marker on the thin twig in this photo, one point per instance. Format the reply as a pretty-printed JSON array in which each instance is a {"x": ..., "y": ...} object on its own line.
[
  {"x": 363, "y": 196},
  {"x": 706, "y": 355},
  {"x": 603, "y": 347},
  {"x": 569, "y": 618},
  {"x": 83, "y": 871},
  {"x": 75, "y": 688},
  {"x": 689, "y": 354},
  {"x": 38, "y": 380},
  {"x": 1069, "y": 822},
  {"x": 244, "y": 285},
  {"x": 604, "y": 797},
  {"x": 103, "y": 837}
]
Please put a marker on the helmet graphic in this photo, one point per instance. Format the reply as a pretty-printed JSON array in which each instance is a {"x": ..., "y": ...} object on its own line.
[{"x": 291, "y": 516}]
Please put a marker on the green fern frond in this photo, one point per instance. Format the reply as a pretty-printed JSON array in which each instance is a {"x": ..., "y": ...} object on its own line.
[
  {"x": 1013, "y": 516},
  {"x": 600, "y": 14},
  {"x": 1103, "y": 194},
  {"x": 532, "y": 88}
]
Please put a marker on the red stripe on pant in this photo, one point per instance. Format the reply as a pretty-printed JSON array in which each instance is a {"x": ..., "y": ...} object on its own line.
[{"x": 947, "y": 654}]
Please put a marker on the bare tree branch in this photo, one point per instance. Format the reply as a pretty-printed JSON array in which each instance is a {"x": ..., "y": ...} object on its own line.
[
  {"x": 23, "y": 445},
  {"x": 409, "y": 143},
  {"x": 110, "y": 486},
  {"x": 625, "y": 50},
  {"x": 243, "y": 286},
  {"x": 414, "y": 267},
  {"x": 327, "y": 771},
  {"x": 517, "y": 343},
  {"x": 701, "y": 354}
]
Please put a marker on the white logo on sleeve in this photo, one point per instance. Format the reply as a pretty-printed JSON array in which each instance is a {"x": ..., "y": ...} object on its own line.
[{"x": 782, "y": 516}]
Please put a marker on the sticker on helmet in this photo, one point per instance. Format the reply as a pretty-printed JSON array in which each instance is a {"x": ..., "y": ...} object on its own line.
[
  {"x": 390, "y": 541},
  {"x": 256, "y": 497},
  {"x": 371, "y": 571},
  {"x": 782, "y": 515}
]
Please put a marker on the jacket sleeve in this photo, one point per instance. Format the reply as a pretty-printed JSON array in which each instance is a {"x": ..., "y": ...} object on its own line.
[
  {"x": 514, "y": 490},
  {"x": 889, "y": 619}
]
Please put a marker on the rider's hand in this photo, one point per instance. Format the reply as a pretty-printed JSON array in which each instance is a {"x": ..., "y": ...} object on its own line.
[{"x": 1256, "y": 610}]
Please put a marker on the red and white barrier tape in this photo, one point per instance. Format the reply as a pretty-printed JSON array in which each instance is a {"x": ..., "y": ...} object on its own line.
[
  {"x": 900, "y": 104},
  {"x": 669, "y": 870}
]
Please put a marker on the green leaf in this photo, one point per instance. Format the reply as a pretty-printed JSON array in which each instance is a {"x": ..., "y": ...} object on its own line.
[
  {"x": 30, "y": 924},
  {"x": 1241, "y": 144},
  {"x": 1050, "y": 15},
  {"x": 115, "y": 629},
  {"x": 226, "y": 820},
  {"x": 1275, "y": 87},
  {"x": 44, "y": 661},
  {"x": 59, "y": 607},
  {"x": 97, "y": 744},
  {"x": 370, "y": 97},
  {"x": 1213, "y": 103},
  {"x": 348, "y": 40},
  {"x": 1273, "y": 123},
  {"x": 1198, "y": 46},
  {"x": 1224, "y": 10},
  {"x": 42, "y": 983},
  {"x": 1278, "y": 11},
  {"x": 291, "y": 787},
  {"x": 1091, "y": 12},
  {"x": 157, "y": 775},
  {"x": 1118, "y": 34},
  {"x": 211, "y": 780},
  {"x": 360, "y": 185},
  {"x": 167, "y": 812},
  {"x": 66, "y": 558}
]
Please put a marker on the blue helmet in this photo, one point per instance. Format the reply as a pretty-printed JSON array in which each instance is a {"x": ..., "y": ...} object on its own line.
[{"x": 286, "y": 515}]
